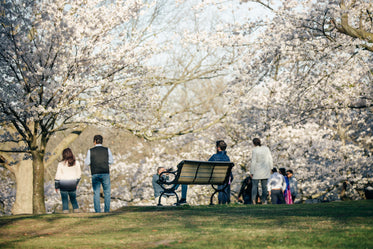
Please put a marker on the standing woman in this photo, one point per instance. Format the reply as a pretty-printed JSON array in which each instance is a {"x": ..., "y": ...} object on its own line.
[{"x": 67, "y": 178}]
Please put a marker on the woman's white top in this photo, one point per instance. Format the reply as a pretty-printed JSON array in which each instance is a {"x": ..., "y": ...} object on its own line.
[
  {"x": 64, "y": 172},
  {"x": 276, "y": 181}
]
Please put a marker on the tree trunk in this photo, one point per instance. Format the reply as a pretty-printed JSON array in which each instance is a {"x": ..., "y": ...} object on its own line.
[
  {"x": 38, "y": 183},
  {"x": 23, "y": 174},
  {"x": 29, "y": 176}
]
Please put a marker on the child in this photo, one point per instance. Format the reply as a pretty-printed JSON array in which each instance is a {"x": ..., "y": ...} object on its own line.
[{"x": 293, "y": 184}]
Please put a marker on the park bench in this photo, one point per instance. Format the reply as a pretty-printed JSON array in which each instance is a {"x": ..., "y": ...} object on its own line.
[{"x": 198, "y": 173}]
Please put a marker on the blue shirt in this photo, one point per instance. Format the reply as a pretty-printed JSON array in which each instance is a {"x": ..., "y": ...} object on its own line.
[{"x": 220, "y": 156}]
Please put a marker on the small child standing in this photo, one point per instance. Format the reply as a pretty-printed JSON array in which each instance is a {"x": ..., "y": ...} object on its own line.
[{"x": 293, "y": 184}]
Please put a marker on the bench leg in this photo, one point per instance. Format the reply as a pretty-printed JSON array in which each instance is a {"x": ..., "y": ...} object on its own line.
[
  {"x": 164, "y": 193},
  {"x": 212, "y": 198},
  {"x": 217, "y": 190},
  {"x": 159, "y": 200}
]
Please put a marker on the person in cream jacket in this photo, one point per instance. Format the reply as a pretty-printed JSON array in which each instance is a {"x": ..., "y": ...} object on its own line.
[{"x": 261, "y": 165}]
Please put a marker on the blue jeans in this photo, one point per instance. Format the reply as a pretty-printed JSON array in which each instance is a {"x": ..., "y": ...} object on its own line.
[
  {"x": 97, "y": 181},
  {"x": 184, "y": 190},
  {"x": 65, "y": 199},
  {"x": 254, "y": 191},
  {"x": 222, "y": 198}
]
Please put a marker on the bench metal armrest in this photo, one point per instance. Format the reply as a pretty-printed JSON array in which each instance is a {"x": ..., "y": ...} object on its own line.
[{"x": 164, "y": 178}]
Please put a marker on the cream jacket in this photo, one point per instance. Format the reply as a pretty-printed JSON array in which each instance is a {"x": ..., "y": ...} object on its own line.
[{"x": 261, "y": 162}]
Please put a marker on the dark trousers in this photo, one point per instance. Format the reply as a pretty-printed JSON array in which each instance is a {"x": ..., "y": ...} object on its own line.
[
  {"x": 254, "y": 190},
  {"x": 224, "y": 198},
  {"x": 277, "y": 197}
]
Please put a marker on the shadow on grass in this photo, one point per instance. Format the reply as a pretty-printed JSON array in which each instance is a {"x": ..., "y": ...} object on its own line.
[
  {"x": 47, "y": 225},
  {"x": 139, "y": 220},
  {"x": 8, "y": 220},
  {"x": 332, "y": 210}
]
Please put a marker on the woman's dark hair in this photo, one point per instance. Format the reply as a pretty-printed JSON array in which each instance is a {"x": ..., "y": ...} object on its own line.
[
  {"x": 282, "y": 171},
  {"x": 256, "y": 142},
  {"x": 67, "y": 155}
]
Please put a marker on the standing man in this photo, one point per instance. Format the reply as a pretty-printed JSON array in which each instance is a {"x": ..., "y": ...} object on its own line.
[
  {"x": 99, "y": 158},
  {"x": 261, "y": 165},
  {"x": 221, "y": 155}
]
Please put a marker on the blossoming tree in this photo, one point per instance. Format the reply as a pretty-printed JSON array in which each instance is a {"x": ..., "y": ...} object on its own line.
[
  {"x": 313, "y": 75},
  {"x": 299, "y": 78},
  {"x": 68, "y": 63}
]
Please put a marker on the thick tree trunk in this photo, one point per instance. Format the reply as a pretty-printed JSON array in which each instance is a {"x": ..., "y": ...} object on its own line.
[
  {"x": 38, "y": 183},
  {"x": 29, "y": 176},
  {"x": 24, "y": 176}
]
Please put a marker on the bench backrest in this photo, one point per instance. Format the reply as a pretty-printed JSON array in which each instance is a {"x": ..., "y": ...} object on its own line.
[{"x": 203, "y": 172}]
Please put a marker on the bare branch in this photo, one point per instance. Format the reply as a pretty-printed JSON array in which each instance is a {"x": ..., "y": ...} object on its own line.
[{"x": 64, "y": 144}]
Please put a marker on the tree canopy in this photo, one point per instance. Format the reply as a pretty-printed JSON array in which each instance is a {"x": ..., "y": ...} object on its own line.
[{"x": 298, "y": 75}]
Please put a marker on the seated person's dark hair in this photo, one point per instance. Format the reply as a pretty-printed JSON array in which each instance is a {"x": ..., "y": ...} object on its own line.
[{"x": 221, "y": 144}]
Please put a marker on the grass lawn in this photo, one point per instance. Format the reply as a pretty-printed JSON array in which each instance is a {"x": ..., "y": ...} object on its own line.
[{"x": 327, "y": 225}]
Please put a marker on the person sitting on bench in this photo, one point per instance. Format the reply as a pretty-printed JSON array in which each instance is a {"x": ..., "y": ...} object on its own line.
[{"x": 221, "y": 155}]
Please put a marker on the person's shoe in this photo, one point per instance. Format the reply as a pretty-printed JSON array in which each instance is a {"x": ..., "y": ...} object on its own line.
[
  {"x": 182, "y": 202},
  {"x": 77, "y": 210},
  {"x": 65, "y": 211}
]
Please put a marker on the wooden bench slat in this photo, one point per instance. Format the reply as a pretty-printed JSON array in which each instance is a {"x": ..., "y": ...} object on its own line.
[
  {"x": 201, "y": 173},
  {"x": 198, "y": 172}
]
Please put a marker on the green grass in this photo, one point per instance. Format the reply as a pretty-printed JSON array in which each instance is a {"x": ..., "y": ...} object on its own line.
[{"x": 326, "y": 225}]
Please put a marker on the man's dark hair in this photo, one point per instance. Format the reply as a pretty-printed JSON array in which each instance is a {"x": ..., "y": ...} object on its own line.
[
  {"x": 256, "y": 142},
  {"x": 158, "y": 169},
  {"x": 98, "y": 139},
  {"x": 290, "y": 171},
  {"x": 274, "y": 170},
  {"x": 221, "y": 144}
]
